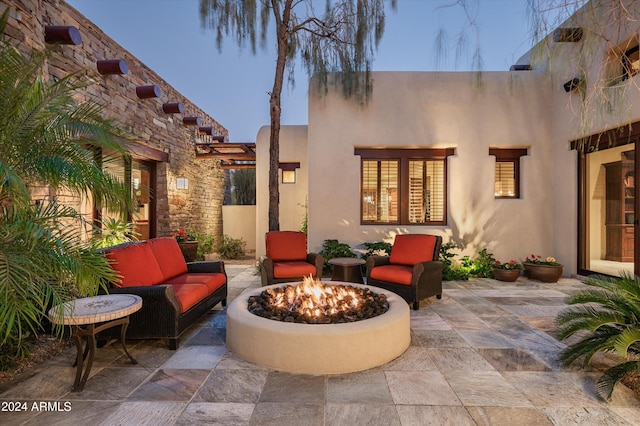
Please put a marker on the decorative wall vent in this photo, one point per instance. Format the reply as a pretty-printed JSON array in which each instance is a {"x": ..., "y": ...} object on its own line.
[
  {"x": 567, "y": 35},
  {"x": 520, "y": 67}
]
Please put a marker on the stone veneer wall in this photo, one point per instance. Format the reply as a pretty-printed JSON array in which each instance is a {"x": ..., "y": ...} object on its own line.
[{"x": 198, "y": 208}]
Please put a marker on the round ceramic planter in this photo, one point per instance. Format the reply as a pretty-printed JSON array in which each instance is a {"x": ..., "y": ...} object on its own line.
[
  {"x": 544, "y": 273},
  {"x": 508, "y": 275},
  {"x": 189, "y": 250}
]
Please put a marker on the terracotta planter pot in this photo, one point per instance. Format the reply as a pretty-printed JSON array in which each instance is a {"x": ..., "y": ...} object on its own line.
[
  {"x": 508, "y": 275},
  {"x": 544, "y": 273},
  {"x": 189, "y": 250}
]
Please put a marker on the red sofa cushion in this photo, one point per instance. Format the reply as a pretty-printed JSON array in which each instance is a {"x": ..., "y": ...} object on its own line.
[
  {"x": 286, "y": 245},
  {"x": 169, "y": 256},
  {"x": 397, "y": 274},
  {"x": 136, "y": 265},
  {"x": 189, "y": 294},
  {"x": 213, "y": 281},
  {"x": 410, "y": 249},
  {"x": 293, "y": 269}
]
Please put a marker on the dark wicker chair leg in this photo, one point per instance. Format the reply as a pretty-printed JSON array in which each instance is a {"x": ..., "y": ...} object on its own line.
[
  {"x": 416, "y": 305},
  {"x": 439, "y": 296},
  {"x": 173, "y": 343},
  {"x": 224, "y": 302}
]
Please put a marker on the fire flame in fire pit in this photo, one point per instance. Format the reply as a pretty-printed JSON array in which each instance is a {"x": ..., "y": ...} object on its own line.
[{"x": 315, "y": 302}]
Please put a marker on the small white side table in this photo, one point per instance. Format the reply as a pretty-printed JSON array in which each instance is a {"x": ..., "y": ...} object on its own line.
[{"x": 84, "y": 315}]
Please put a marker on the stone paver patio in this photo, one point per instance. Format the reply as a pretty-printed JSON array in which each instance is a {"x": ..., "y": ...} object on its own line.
[{"x": 483, "y": 355}]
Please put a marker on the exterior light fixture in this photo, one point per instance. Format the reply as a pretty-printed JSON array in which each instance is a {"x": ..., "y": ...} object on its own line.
[
  {"x": 182, "y": 183},
  {"x": 520, "y": 67},
  {"x": 112, "y": 67},
  {"x": 145, "y": 92},
  {"x": 572, "y": 84},
  {"x": 289, "y": 172},
  {"x": 60, "y": 34},
  {"x": 191, "y": 121},
  {"x": 173, "y": 108}
]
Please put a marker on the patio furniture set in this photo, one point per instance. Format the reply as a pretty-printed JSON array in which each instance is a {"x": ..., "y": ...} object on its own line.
[{"x": 159, "y": 295}]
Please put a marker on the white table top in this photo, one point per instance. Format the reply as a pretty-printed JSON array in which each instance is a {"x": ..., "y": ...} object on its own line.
[{"x": 91, "y": 310}]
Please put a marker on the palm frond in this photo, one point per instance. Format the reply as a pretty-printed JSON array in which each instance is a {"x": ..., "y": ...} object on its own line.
[{"x": 612, "y": 376}]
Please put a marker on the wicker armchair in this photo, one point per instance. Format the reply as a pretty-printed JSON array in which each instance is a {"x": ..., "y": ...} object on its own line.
[
  {"x": 412, "y": 271},
  {"x": 287, "y": 259}
]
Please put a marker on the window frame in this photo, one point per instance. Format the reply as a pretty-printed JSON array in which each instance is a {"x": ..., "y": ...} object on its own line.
[
  {"x": 403, "y": 156},
  {"x": 509, "y": 155}
]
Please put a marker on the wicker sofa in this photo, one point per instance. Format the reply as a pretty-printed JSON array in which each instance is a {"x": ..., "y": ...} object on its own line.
[{"x": 174, "y": 293}]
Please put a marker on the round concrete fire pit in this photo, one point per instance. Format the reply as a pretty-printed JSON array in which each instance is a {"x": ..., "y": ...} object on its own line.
[{"x": 318, "y": 348}]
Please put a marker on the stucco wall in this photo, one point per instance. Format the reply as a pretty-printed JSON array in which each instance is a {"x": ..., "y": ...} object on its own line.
[
  {"x": 293, "y": 197},
  {"x": 240, "y": 222},
  {"x": 413, "y": 109},
  {"x": 199, "y": 207}
]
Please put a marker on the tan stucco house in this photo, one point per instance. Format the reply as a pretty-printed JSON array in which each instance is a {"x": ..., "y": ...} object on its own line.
[{"x": 539, "y": 159}]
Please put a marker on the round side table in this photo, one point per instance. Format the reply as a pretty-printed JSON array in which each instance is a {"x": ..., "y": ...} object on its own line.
[
  {"x": 84, "y": 315},
  {"x": 347, "y": 269}
]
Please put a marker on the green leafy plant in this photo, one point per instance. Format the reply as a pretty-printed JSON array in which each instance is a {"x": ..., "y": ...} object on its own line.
[
  {"x": 481, "y": 266},
  {"x": 539, "y": 260},
  {"x": 512, "y": 264},
  {"x": 114, "y": 232},
  {"x": 206, "y": 243},
  {"x": 451, "y": 272},
  {"x": 605, "y": 318},
  {"x": 232, "y": 248},
  {"x": 332, "y": 249},
  {"x": 377, "y": 248},
  {"x": 182, "y": 236}
]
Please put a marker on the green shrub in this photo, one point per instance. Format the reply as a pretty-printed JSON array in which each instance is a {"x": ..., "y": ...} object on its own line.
[
  {"x": 114, "y": 232},
  {"x": 332, "y": 249},
  {"x": 205, "y": 243},
  {"x": 481, "y": 266},
  {"x": 232, "y": 248},
  {"x": 377, "y": 248},
  {"x": 451, "y": 271}
]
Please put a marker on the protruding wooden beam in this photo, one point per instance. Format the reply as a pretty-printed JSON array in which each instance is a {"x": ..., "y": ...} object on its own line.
[
  {"x": 112, "y": 66},
  {"x": 62, "y": 34},
  {"x": 173, "y": 108},
  {"x": 146, "y": 92}
]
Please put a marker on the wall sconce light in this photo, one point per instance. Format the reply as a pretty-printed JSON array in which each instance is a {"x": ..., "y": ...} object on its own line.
[
  {"x": 136, "y": 183},
  {"x": 191, "y": 121},
  {"x": 173, "y": 108},
  {"x": 60, "y": 34},
  {"x": 112, "y": 67},
  {"x": 289, "y": 172},
  {"x": 520, "y": 67},
  {"x": 146, "y": 92},
  {"x": 572, "y": 84},
  {"x": 182, "y": 183},
  {"x": 567, "y": 35}
]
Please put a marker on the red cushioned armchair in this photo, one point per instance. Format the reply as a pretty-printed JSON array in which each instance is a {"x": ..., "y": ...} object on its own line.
[
  {"x": 412, "y": 271},
  {"x": 287, "y": 258}
]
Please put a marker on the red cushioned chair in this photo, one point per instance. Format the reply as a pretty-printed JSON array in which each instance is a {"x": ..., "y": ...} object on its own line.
[
  {"x": 412, "y": 271},
  {"x": 287, "y": 258}
]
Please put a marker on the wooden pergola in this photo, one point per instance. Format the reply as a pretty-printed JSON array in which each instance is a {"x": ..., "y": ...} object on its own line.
[{"x": 233, "y": 155}]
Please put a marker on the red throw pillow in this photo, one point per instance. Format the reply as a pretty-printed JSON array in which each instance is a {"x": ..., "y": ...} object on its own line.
[
  {"x": 410, "y": 249},
  {"x": 136, "y": 265},
  {"x": 169, "y": 256},
  {"x": 286, "y": 245}
]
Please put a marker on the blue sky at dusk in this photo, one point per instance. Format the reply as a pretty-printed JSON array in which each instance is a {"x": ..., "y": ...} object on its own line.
[{"x": 232, "y": 85}]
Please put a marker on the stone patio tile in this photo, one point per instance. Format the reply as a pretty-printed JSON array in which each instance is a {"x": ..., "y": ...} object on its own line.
[
  {"x": 287, "y": 414},
  {"x": 196, "y": 357},
  {"x": 585, "y": 416},
  {"x": 448, "y": 307},
  {"x": 533, "y": 310},
  {"x": 420, "y": 388},
  {"x": 482, "y": 388},
  {"x": 440, "y": 339},
  {"x": 367, "y": 387},
  {"x": 512, "y": 359},
  {"x": 152, "y": 354},
  {"x": 486, "y": 339},
  {"x": 425, "y": 415},
  {"x": 145, "y": 413},
  {"x": 551, "y": 389},
  {"x": 208, "y": 336},
  {"x": 80, "y": 413},
  {"x": 112, "y": 384},
  {"x": 49, "y": 383},
  {"x": 431, "y": 321},
  {"x": 239, "y": 386},
  {"x": 415, "y": 358},
  {"x": 231, "y": 361},
  {"x": 488, "y": 416},
  {"x": 631, "y": 415},
  {"x": 453, "y": 360},
  {"x": 222, "y": 414},
  {"x": 484, "y": 311},
  {"x": 467, "y": 323},
  {"x": 170, "y": 385},
  {"x": 293, "y": 388},
  {"x": 360, "y": 414}
]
